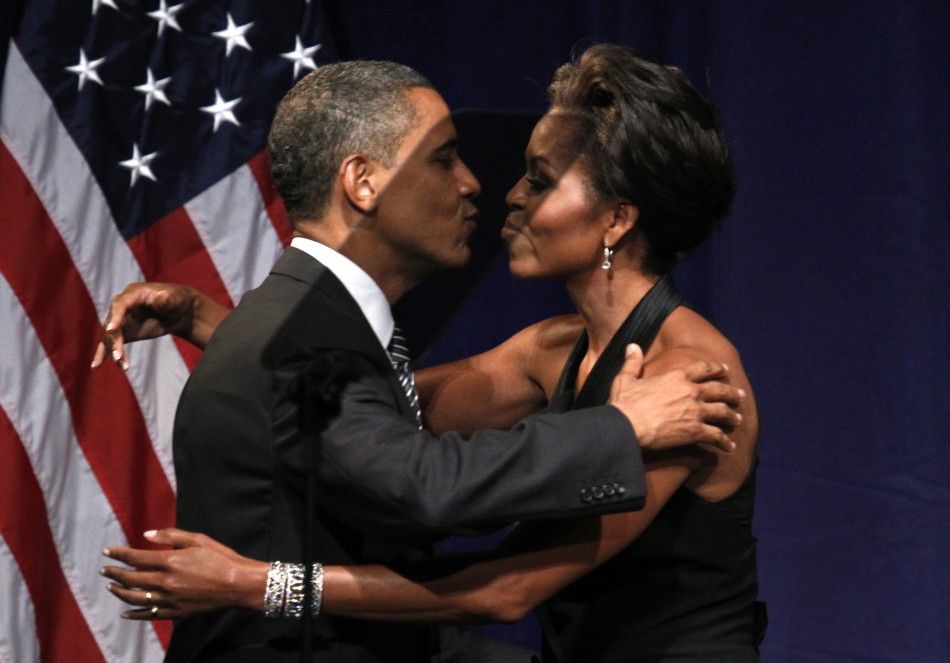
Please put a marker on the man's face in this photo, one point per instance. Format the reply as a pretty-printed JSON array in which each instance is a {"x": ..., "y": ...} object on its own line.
[{"x": 425, "y": 210}]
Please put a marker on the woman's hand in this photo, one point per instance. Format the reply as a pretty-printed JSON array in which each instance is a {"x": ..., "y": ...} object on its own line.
[
  {"x": 149, "y": 310},
  {"x": 143, "y": 311},
  {"x": 198, "y": 574}
]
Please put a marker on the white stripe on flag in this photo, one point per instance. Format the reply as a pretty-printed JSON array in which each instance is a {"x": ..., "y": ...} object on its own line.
[
  {"x": 234, "y": 226},
  {"x": 62, "y": 180},
  {"x": 80, "y": 517},
  {"x": 18, "y": 643}
]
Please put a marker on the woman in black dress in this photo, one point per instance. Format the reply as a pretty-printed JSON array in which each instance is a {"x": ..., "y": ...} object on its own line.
[{"x": 626, "y": 173}]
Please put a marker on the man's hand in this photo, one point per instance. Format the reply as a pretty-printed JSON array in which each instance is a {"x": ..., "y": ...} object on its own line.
[
  {"x": 684, "y": 406},
  {"x": 197, "y": 575},
  {"x": 143, "y": 311}
]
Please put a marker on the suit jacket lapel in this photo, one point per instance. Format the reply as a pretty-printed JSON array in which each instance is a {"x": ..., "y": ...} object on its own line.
[{"x": 327, "y": 318}]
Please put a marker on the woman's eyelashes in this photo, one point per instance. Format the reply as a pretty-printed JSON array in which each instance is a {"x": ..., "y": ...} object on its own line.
[{"x": 537, "y": 182}]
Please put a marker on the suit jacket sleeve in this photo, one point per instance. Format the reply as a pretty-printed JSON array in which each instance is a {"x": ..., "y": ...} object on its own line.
[{"x": 375, "y": 468}]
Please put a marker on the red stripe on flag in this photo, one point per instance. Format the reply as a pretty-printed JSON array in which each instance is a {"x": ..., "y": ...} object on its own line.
[
  {"x": 61, "y": 628},
  {"x": 171, "y": 250},
  {"x": 105, "y": 412},
  {"x": 260, "y": 166}
]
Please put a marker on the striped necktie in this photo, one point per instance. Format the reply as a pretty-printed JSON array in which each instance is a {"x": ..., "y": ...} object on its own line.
[{"x": 399, "y": 356}]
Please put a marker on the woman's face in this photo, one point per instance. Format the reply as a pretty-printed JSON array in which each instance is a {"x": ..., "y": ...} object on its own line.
[{"x": 555, "y": 227}]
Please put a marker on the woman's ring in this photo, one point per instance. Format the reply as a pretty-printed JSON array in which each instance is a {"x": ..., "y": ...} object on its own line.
[
  {"x": 148, "y": 598},
  {"x": 154, "y": 611}
]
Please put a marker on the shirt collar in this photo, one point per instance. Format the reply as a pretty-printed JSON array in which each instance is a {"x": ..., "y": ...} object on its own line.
[{"x": 358, "y": 283}]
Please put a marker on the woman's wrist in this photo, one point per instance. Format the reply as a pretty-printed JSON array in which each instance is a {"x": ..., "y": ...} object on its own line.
[
  {"x": 206, "y": 315},
  {"x": 286, "y": 589},
  {"x": 250, "y": 580}
]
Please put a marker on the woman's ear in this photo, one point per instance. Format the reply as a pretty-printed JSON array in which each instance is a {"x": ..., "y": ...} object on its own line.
[
  {"x": 357, "y": 183},
  {"x": 623, "y": 219}
]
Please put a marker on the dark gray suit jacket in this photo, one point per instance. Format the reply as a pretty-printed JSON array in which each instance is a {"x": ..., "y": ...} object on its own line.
[{"x": 385, "y": 488}]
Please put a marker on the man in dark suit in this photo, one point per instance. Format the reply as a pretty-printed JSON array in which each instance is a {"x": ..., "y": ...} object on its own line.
[{"x": 364, "y": 156}]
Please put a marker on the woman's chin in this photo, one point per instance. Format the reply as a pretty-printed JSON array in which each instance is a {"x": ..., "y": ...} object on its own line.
[{"x": 524, "y": 269}]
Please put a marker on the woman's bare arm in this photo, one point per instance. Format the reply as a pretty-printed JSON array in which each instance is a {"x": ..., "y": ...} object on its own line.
[
  {"x": 498, "y": 388},
  {"x": 200, "y": 574},
  {"x": 149, "y": 310},
  {"x": 534, "y": 564}
]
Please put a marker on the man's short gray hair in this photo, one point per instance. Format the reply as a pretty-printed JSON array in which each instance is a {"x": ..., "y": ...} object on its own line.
[{"x": 356, "y": 107}]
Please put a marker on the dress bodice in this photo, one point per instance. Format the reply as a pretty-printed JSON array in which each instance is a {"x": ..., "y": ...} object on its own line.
[{"x": 686, "y": 588}]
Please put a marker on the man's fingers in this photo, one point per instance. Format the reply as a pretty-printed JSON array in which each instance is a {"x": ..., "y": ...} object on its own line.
[
  {"x": 633, "y": 362},
  {"x": 709, "y": 434},
  {"x": 721, "y": 415},
  {"x": 717, "y": 391},
  {"x": 701, "y": 371}
]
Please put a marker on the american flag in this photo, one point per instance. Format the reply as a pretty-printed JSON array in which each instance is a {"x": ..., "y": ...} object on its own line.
[{"x": 131, "y": 148}]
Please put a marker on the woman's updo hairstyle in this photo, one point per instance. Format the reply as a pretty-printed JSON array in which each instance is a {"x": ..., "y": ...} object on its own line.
[{"x": 653, "y": 140}]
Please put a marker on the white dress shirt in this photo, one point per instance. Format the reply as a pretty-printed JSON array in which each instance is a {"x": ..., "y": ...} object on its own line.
[{"x": 359, "y": 284}]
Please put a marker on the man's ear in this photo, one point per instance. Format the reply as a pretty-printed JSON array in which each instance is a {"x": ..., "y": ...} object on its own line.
[
  {"x": 623, "y": 218},
  {"x": 357, "y": 184}
]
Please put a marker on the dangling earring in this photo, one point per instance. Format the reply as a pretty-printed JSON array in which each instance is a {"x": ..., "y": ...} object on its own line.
[{"x": 608, "y": 258}]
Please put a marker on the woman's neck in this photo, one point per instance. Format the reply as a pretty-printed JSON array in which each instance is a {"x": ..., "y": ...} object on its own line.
[{"x": 605, "y": 299}]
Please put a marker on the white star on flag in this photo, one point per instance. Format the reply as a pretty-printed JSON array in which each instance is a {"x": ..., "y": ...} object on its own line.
[
  {"x": 139, "y": 165},
  {"x": 165, "y": 15},
  {"x": 234, "y": 35},
  {"x": 98, "y": 3},
  {"x": 153, "y": 90},
  {"x": 86, "y": 69},
  {"x": 221, "y": 110},
  {"x": 301, "y": 57}
]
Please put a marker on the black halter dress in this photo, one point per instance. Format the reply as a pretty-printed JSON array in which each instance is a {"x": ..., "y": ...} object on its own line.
[{"x": 685, "y": 590}]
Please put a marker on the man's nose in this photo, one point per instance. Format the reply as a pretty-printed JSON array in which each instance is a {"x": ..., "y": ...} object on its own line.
[{"x": 469, "y": 185}]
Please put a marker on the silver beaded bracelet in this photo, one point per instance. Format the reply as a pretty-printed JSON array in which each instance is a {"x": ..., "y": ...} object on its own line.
[{"x": 284, "y": 591}]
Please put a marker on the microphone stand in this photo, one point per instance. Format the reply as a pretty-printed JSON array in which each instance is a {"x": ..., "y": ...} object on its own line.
[{"x": 319, "y": 389}]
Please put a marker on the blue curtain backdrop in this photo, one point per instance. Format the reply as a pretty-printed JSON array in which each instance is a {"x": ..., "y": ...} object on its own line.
[{"x": 831, "y": 275}]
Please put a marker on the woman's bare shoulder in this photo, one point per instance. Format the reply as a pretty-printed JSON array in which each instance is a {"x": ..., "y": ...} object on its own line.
[
  {"x": 557, "y": 332},
  {"x": 687, "y": 330},
  {"x": 687, "y": 336}
]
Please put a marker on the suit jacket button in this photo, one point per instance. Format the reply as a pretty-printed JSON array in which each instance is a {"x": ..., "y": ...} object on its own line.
[
  {"x": 608, "y": 489},
  {"x": 585, "y": 495},
  {"x": 619, "y": 487},
  {"x": 598, "y": 492}
]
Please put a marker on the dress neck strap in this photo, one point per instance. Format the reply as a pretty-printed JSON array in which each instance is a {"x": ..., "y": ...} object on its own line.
[{"x": 640, "y": 327}]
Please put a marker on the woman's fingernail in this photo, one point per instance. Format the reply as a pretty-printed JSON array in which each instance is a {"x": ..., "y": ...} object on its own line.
[
  {"x": 116, "y": 355},
  {"x": 150, "y": 534}
]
